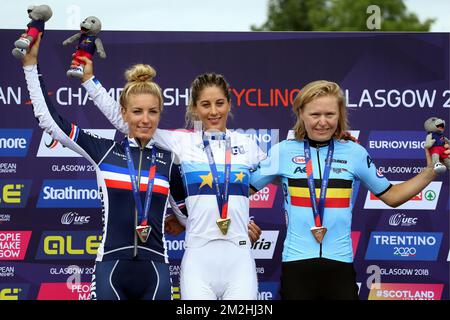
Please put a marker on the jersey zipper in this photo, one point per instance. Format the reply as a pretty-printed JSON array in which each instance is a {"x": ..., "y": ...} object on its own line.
[
  {"x": 141, "y": 151},
  {"x": 320, "y": 184}
]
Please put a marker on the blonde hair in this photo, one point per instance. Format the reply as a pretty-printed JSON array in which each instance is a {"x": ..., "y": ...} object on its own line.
[
  {"x": 314, "y": 90},
  {"x": 201, "y": 82},
  {"x": 139, "y": 81}
]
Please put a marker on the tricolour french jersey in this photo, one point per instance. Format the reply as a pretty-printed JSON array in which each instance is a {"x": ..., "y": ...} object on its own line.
[
  {"x": 119, "y": 240},
  {"x": 350, "y": 165}
]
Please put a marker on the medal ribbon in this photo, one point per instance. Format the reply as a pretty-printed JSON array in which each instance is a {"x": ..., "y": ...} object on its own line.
[
  {"x": 142, "y": 212},
  {"x": 222, "y": 198},
  {"x": 318, "y": 209}
]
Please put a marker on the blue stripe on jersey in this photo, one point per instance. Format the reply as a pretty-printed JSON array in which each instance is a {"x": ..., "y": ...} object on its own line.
[
  {"x": 235, "y": 189},
  {"x": 189, "y": 166}
]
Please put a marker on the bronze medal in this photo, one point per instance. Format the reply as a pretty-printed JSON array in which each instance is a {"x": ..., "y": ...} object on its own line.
[{"x": 319, "y": 233}]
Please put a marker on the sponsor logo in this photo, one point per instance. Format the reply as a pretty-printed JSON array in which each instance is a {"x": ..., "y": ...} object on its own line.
[
  {"x": 5, "y": 218},
  {"x": 7, "y": 167},
  {"x": 7, "y": 271},
  {"x": 14, "y": 291},
  {"x": 14, "y": 244},
  {"x": 396, "y": 144},
  {"x": 379, "y": 173},
  {"x": 265, "y": 246},
  {"x": 268, "y": 290},
  {"x": 175, "y": 246},
  {"x": 409, "y": 246},
  {"x": 60, "y": 245},
  {"x": 237, "y": 150},
  {"x": 48, "y": 147},
  {"x": 339, "y": 161},
  {"x": 400, "y": 219},
  {"x": 264, "y": 198},
  {"x": 426, "y": 200},
  {"x": 15, "y": 142},
  {"x": 299, "y": 160},
  {"x": 14, "y": 193},
  {"x": 74, "y": 218},
  {"x": 300, "y": 169},
  {"x": 406, "y": 291},
  {"x": 337, "y": 170},
  {"x": 69, "y": 194},
  {"x": 64, "y": 291}
]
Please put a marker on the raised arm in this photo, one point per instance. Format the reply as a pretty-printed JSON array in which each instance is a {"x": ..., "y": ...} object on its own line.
[
  {"x": 400, "y": 193},
  {"x": 68, "y": 134},
  {"x": 107, "y": 105}
]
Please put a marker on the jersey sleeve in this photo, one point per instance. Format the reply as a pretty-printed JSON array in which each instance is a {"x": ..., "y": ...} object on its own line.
[
  {"x": 256, "y": 154},
  {"x": 178, "y": 194},
  {"x": 173, "y": 140},
  {"x": 107, "y": 105},
  {"x": 268, "y": 169},
  {"x": 68, "y": 134},
  {"x": 368, "y": 174}
]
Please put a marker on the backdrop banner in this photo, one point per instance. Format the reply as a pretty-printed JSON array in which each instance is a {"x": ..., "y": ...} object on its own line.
[{"x": 50, "y": 212}]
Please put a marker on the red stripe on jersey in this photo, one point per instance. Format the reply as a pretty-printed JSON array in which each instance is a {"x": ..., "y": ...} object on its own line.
[{"x": 329, "y": 202}]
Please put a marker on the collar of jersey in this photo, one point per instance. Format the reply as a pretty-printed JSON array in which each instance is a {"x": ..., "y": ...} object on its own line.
[
  {"x": 318, "y": 144},
  {"x": 134, "y": 143}
]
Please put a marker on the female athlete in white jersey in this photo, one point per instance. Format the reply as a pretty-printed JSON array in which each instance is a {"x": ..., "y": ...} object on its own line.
[{"x": 216, "y": 165}]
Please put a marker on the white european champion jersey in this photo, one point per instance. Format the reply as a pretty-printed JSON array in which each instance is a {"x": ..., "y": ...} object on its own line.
[{"x": 201, "y": 201}]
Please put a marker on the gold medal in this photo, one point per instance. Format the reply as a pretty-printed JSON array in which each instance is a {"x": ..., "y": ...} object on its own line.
[
  {"x": 143, "y": 231},
  {"x": 319, "y": 233},
  {"x": 223, "y": 225}
]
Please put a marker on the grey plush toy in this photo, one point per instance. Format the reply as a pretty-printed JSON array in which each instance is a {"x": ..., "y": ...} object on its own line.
[
  {"x": 435, "y": 143},
  {"x": 39, "y": 15},
  {"x": 88, "y": 44}
]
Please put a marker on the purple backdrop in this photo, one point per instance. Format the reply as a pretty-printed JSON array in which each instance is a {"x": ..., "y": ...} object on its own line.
[{"x": 393, "y": 83}]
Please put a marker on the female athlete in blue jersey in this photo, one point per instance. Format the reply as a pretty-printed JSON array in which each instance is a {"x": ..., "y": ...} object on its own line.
[
  {"x": 134, "y": 176},
  {"x": 319, "y": 172}
]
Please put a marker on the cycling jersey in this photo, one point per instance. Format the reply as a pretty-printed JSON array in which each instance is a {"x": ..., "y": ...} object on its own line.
[
  {"x": 350, "y": 164},
  {"x": 119, "y": 240}
]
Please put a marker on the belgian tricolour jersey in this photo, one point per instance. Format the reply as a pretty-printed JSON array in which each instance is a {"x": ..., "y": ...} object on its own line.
[{"x": 351, "y": 164}]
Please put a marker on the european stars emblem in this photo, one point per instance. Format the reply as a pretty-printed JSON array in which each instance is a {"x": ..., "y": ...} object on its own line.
[
  {"x": 239, "y": 177},
  {"x": 206, "y": 180}
]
